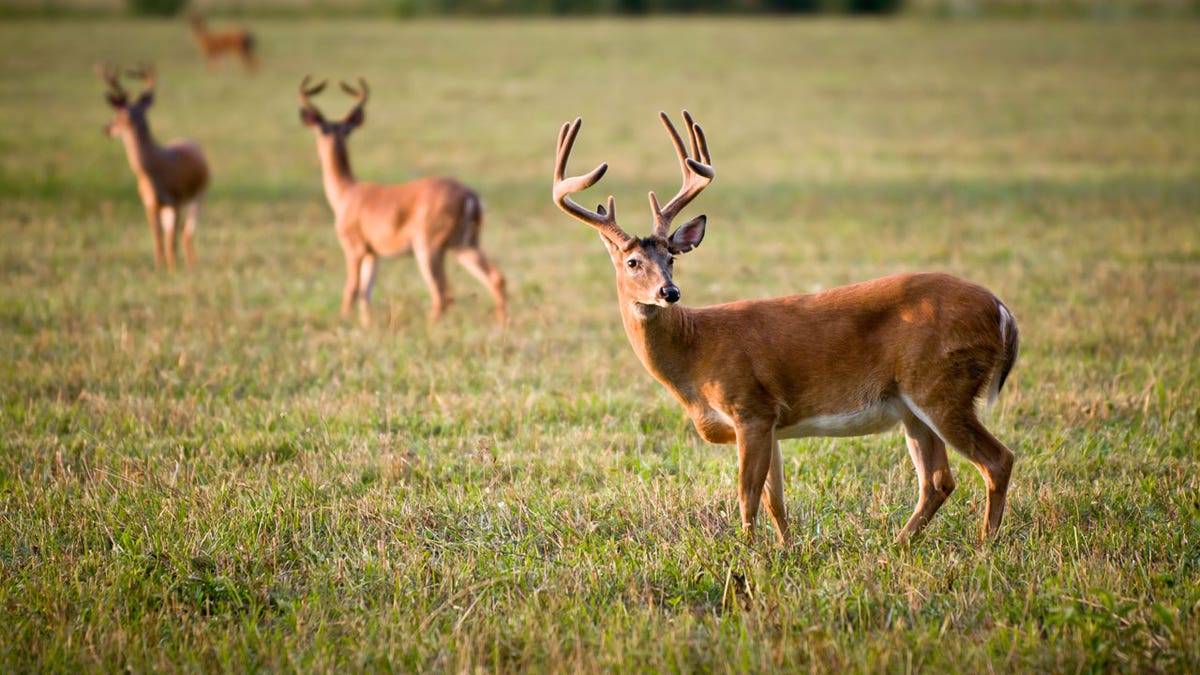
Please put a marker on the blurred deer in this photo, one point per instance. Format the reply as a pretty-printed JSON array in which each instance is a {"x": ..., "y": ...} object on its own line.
[
  {"x": 910, "y": 349},
  {"x": 429, "y": 216},
  {"x": 169, "y": 177},
  {"x": 214, "y": 44}
]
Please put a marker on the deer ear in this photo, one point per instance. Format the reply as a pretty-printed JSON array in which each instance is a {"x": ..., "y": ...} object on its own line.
[
  {"x": 310, "y": 118},
  {"x": 115, "y": 100},
  {"x": 145, "y": 100},
  {"x": 688, "y": 236},
  {"x": 355, "y": 118}
]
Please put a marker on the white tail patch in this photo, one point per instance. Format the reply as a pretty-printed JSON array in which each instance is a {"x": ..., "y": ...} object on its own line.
[{"x": 1007, "y": 322}]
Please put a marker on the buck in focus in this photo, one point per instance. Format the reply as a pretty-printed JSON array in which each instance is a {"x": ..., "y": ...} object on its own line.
[
  {"x": 214, "y": 44},
  {"x": 918, "y": 349},
  {"x": 429, "y": 216},
  {"x": 170, "y": 178}
]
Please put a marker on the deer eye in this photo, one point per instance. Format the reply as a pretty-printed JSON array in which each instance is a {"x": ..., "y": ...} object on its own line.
[{"x": 632, "y": 263}]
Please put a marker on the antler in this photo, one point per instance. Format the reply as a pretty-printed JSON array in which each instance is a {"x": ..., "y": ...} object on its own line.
[
  {"x": 109, "y": 74},
  {"x": 697, "y": 173},
  {"x": 146, "y": 74},
  {"x": 601, "y": 219},
  {"x": 361, "y": 94},
  {"x": 306, "y": 91}
]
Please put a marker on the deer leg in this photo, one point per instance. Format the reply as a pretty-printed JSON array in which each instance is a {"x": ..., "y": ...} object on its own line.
[
  {"x": 966, "y": 434},
  {"x": 935, "y": 483},
  {"x": 366, "y": 282},
  {"x": 755, "y": 449},
  {"x": 168, "y": 215},
  {"x": 189, "y": 230},
  {"x": 152, "y": 215},
  {"x": 477, "y": 264},
  {"x": 433, "y": 269},
  {"x": 350, "y": 290},
  {"x": 773, "y": 496}
]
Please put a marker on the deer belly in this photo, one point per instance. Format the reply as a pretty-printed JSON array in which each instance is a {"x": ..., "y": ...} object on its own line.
[{"x": 874, "y": 418}]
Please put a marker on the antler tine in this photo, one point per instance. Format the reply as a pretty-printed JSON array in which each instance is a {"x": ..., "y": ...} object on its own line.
[
  {"x": 145, "y": 73},
  {"x": 109, "y": 73},
  {"x": 697, "y": 172},
  {"x": 361, "y": 93},
  {"x": 604, "y": 220},
  {"x": 306, "y": 91}
]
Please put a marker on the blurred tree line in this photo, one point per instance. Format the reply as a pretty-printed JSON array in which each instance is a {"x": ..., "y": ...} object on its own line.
[
  {"x": 568, "y": 7},
  {"x": 635, "y": 7}
]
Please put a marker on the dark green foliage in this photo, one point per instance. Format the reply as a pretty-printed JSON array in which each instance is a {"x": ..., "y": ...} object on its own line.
[
  {"x": 155, "y": 7},
  {"x": 640, "y": 7}
]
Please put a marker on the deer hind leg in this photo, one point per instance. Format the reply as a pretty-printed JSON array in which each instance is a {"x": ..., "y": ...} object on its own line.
[
  {"x": 366, "y": 283},
  {"x": 962, "y": 429},
  {"x": 189, "y": 231},
  {"x": 755, "y": 449},
  {"x": 433, "y": 269},
  {"x": 249, "y": 61},
  {"x": 773, "y": 496},
  {"x": 477, "y": 264},
  {"x": 934, "y": 480}
]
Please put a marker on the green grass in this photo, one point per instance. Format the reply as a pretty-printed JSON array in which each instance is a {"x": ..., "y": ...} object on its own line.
[{"x": 211, "y": 472}]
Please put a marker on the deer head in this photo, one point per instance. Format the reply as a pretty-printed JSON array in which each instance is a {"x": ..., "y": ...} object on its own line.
[
  {"x": 129, "y": 116},
  {"x": 644, "y": 266},
  {"x": 312, "y": 118}
]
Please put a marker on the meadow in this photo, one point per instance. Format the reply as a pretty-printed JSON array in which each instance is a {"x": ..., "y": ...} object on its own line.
[{"x": 211, "y": 472}]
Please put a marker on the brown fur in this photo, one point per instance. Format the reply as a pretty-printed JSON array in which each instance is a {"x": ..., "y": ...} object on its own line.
[
  {"x": 169, "y": 178},
  {"x": 428, "y": 217},
  {"x": 914, "y": 349},
  {"x": 214, "y": 44}
]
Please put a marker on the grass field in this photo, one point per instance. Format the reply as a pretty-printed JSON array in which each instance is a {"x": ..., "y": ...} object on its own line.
[{"x": 210, "y": 472}]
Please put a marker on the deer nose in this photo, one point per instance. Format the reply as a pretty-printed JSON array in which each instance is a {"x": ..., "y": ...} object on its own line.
[{"x": 669, "y": 293}]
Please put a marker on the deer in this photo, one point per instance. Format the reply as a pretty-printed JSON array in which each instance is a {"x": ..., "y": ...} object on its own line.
[
  {"x": 170, "y": 178},
  {"x": 214, "y": 44},
  {"x": 428, "y": 217},
  {"x": 918, "y": 349}
]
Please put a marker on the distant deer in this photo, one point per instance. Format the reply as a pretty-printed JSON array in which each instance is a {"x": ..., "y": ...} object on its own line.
[
  {"x": 429, "y": 216},
  {"x": 169, "y": 177},
  {"x": 918, "y": 349},
  {"x": 214, "y": 44}
]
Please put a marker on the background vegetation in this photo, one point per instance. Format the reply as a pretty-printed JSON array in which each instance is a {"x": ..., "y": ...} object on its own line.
[
  {"x": 1093, "y": 9},
  {"x": 209, "y": 471}
]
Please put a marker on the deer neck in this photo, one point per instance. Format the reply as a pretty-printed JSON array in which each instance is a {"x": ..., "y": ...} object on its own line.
[
  {"x": 663, "y": 338},
  {"x": 336, "y": 174},
  {"x": 143, "y": 151}
]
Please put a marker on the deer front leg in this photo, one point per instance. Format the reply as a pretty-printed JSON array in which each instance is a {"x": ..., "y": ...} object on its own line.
[
  {"x": 366, "y": 282},
  {"x": 756, "y": 442},
  {"x": 152, "y": 216},
  {"x": 350, "y": 290},
  {"x": 167, "y": 216}
]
